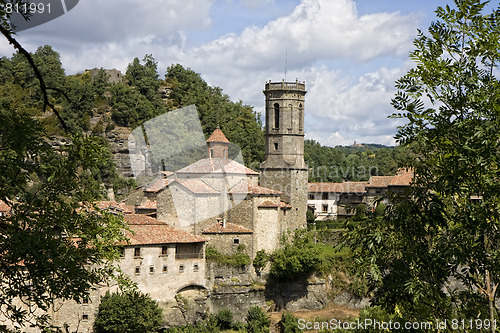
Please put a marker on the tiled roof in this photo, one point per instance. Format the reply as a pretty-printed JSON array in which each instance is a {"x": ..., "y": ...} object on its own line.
[
  {"x": 127, "y": 209},
  {"x": 217, "y": 136},
  {"x": 217, "y": 165},
  {"x": 403, "y": 178},
  {"x": 269, "y": 204},
  {"x": 4, "y": 207},
  {"x": 230, "y": 228},
  {"x": 244, "y": 187},
  {"x": 157, "y": 185},
  {"x": 146, "y": 234},
  {"x": 107, "y": 204},
  {"x": 149, "y": 204},
  {"x": 379, "y": 181},
  {"x": 196, "y": 186},
  {"x": 284, "y": 205},
  {"x": 345, "y": 187},
  {"x": 141, "y": 219}
]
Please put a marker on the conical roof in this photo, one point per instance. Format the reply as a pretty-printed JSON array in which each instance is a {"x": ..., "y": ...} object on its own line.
[{"x": 217, "y": 136}]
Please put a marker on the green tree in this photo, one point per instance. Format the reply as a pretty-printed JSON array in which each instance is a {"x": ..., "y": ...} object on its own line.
[
  {"x": 447, "y": 225},
  {"x": 130, "y": 312},
  {"x": 257, "y": 320},
  {"x": 54, "y": 242}
]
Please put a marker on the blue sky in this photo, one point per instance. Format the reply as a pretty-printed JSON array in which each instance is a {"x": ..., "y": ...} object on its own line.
[{"x": 349, "y": 52}]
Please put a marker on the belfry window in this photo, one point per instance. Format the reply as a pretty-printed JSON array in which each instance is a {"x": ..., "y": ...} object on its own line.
[{"x": 276, "y": 115}]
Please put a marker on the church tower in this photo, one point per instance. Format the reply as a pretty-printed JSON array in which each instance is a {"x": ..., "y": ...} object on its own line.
[{"x": 284, "y": 168}]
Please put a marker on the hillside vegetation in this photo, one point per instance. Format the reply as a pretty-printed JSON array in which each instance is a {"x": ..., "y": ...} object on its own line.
[{"x": 95, "y": 106}]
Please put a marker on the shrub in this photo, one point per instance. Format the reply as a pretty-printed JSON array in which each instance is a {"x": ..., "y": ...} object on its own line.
[
  {"x": 128, "y": 312},
  {"x": 289, "y": 323},
  {"x": 257, "y": 320},
  {"x": 237, "y": 259},
  {"x": 260, "y": 260},
  {"x": 224, "y": 319}
]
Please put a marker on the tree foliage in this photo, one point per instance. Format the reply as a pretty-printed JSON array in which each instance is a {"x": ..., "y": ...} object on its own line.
[
  {"x": 240, "y": 123},
  {"x": 130, "y": 312},
  {"x": 447, "y": 225},
  {"x": 54, "y": 242}
]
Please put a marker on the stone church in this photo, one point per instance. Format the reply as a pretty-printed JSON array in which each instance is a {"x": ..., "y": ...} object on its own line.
[{"x": 231, "y": 205}]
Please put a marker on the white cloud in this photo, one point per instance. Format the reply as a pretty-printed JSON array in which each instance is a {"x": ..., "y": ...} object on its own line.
[{"x": 341, "y": 105}]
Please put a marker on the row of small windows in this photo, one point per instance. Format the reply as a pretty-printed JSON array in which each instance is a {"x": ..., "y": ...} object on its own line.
[
  {"x": 164, "y": 270},
  {"x": 137, "y": 251}
]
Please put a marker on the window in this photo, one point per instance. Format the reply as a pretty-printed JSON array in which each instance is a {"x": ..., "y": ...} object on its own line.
[
  {"x": 196, "y": 268},
  {"x": 164, "y": 250},
  {"x": 122, "y": 252},
  {"x": 311, "y": 196},
  {"x": 276, "y": 146},
  {"x": 224, "y": 153},
  {"x": 236, "y": 241},
  {"x": 151, "y": 269},
  {"x": 324, "y": 208},
  {"x": 181, "y": 269},
  {"x": 325, "y": 196},
  {"x": 276, "y": 115},
  {"x": 137, "y": 270},
  {"x": 164, "y": 269},
  {"x": 85, "y": 300},
  {"x": 211, "y": 152},
  {"x": 137, "y": 252},
  {"x": 85, "y": 316},
  {"x": 301, "y": 118}
]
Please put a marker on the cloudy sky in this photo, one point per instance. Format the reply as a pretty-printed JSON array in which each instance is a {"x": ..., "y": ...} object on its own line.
[{"x": 349, "y": 52}]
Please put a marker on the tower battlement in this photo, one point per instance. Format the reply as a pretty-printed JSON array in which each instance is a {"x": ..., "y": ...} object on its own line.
[{"x": 286, "y": 85}]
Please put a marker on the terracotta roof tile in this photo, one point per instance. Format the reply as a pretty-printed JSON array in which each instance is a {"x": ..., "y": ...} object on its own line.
[
  {"x": 269, "y": 204},
  {"x": 284, "y": 205},
  {"x": 217, "y": 136},
  {"x": 217, "y": 165},
  {"x": 157, "y": 185},
  {"x": 146, "y": 234},
  {"x": 403, "y": 178},
  {"x": 141, "y": 219},
  {"x": 4, "y": 207},
  {"x": 196, "y": 186},
  {"x": 230, "y": 228},
  {"x": 244, "y": 187},
  {"x": 345, "y": 187},
  {"x": 379, "y": 181},
  {"x": 127, "y": 209},
  {"x": 148, "y": 204}
]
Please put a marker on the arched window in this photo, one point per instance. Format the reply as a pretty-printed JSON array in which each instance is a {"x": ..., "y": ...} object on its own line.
[
  {"x": 276, "y": 115},
  {"x": 301, "y": 118}
]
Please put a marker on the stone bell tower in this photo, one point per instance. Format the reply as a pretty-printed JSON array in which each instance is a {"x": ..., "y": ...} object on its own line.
[{"x": 284, "y": 168}]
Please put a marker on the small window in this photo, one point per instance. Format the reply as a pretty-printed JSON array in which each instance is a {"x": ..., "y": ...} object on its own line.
[
  {"x": 236, "y": 241},
  {"x": 151, "y": 269},
  {"x": 137, "y": 270},
  {"x": 181, "y": 269},
  {"x": 196, "y": 268},
  {"x": 137, "y": 252},
  {"x": 276, "y": 146},
  {"x": 85, "y": 316},
  {"x": 325, "y": 208},
  {"x": 85, "y": 300},
  {"x": 164, "y": 269},
  {"x": 276, "y": 115},
  {"x": 311, "y": 196},
  {"x": 211, "y": 152},
  {"x": 325, "y": 196},
  {"x": 224, "y": 153},
  {"x": 164, "y": 250}
]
